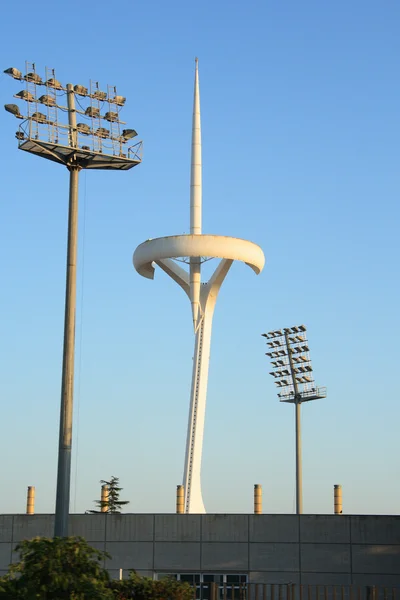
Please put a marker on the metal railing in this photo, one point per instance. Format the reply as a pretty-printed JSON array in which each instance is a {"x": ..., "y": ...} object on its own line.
[{"x": 289, "y": 591}]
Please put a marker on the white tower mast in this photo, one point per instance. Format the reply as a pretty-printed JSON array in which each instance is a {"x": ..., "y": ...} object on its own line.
[{"x": 194, "y": 248}]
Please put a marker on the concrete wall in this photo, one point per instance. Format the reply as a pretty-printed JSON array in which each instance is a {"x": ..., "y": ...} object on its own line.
[{"x": 314, "y": 549}]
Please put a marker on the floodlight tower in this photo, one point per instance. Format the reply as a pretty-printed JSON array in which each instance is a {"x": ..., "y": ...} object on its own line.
[
  {"x": 85, "y": 145},
  {"x": 293, "y": 373},
  {"x": 194, "y": 249}
]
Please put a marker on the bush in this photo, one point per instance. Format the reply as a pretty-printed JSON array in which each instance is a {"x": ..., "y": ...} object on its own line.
[{"x": 144, "y": 588}]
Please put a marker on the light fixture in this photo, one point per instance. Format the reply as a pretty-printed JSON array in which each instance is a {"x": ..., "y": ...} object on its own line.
[
  {"x": 34, "y": 78},
  {"x": 61, "y": 141},
  {"x": 111, "y": 116},
  {"x": 102, "y": 132},
  {"x": 99, "y": 95},
  {"x": 53, "y": 83},
  {"x": 81, "y": 90},
  {"x": 295, "y": 381},
  {"x": 128, "y": 134},
  {"x": 93, "y": 112},
  {"x": 83, "y": 128},
  {"x": 24, "y": 95},
  {"x": 15, "y": 73},
  {"x": 14, "y": 110},
  {"x": 119, "y": 100},
  {"x": 47, "y": 100},
  {"x": 40, "y": 118}
]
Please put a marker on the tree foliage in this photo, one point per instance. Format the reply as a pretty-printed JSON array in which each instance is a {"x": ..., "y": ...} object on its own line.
[
  {"x": 57, "y": 569},
  {"x": 113, "y": 505},
  {"x": 69, "y": 569},
  {"x": 144, "y": 588}
]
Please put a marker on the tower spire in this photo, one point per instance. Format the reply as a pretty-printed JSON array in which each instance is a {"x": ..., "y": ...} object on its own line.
[
  {"x": 195, "y": 174},
  {"x": 195, "y": 200},
  {"x": 196, "y": 247}
]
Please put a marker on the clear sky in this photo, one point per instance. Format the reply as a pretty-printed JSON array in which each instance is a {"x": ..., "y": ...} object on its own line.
[{"x": 300, "y": 119}]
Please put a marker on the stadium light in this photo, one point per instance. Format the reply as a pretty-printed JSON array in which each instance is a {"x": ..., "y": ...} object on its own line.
[
  {"x": 57, "y": 137},
  {"x": 295, "y": 382},
  {"x": 14, "y": 110},
  {"x": 15, "y": 73}
]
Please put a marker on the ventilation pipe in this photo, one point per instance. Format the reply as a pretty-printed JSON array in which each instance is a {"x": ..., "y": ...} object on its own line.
[
  {"x": 104, "y": 498},
  {"x": 337, "y": 500},
  {"x": 257, "y": 499},
  {"x": 30, "y": 500},
  {"x": 180, "y": 500}
]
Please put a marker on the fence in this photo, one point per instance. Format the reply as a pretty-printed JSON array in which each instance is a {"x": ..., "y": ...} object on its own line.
[{"x": 267, "y": 591}]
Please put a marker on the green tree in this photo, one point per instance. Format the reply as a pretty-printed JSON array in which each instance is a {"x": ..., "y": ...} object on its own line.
[
  {"x": 113, "y": 505},
  {"x": 57, "y": 569},
  {"x": 69, "y": 569}
]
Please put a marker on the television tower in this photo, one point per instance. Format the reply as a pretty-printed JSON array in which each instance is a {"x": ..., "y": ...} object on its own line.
[{"x": 194, "y": 249}]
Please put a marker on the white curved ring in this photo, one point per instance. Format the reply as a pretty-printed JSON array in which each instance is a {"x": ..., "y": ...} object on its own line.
[{"x": 213, "y": 246}]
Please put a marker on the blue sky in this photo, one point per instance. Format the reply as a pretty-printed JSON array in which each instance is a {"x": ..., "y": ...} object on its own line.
[{"x": 300, "y": 119}]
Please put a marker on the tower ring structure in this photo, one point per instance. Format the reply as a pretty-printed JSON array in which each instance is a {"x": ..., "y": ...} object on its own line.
[
  {"x": 192, "y": 246},
  {"x": 194, "y": 249}
]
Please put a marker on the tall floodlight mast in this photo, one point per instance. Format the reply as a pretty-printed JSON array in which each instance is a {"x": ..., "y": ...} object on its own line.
[
  {"x": 293, "y": 375},
  {"x": 194, "y": 249},
  {"x": 55, "y": 134}
]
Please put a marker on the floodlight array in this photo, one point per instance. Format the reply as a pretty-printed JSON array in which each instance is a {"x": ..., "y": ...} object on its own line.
[
  {"x": 291, "y": 364},
  {"x": 45, "y": 115}
]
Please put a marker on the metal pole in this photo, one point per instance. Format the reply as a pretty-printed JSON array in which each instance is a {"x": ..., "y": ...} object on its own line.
[
  {"x": 297, "y": 402},
  {"x": 299, "y": 470},
  {"x": 67, "y": 385}
]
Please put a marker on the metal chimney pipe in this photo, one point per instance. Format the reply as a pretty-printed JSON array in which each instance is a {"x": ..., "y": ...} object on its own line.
[
  {"x": 257, "y": 499},
  {"x": 180, "y": 500},
  {"x": 30, "y": 500},
  {"x": 337, "y": 499},
  {"x": 104, "y": 498}
]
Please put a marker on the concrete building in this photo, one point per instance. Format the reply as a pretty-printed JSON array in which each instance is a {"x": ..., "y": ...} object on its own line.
[{"x": 308, "y": 549}]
